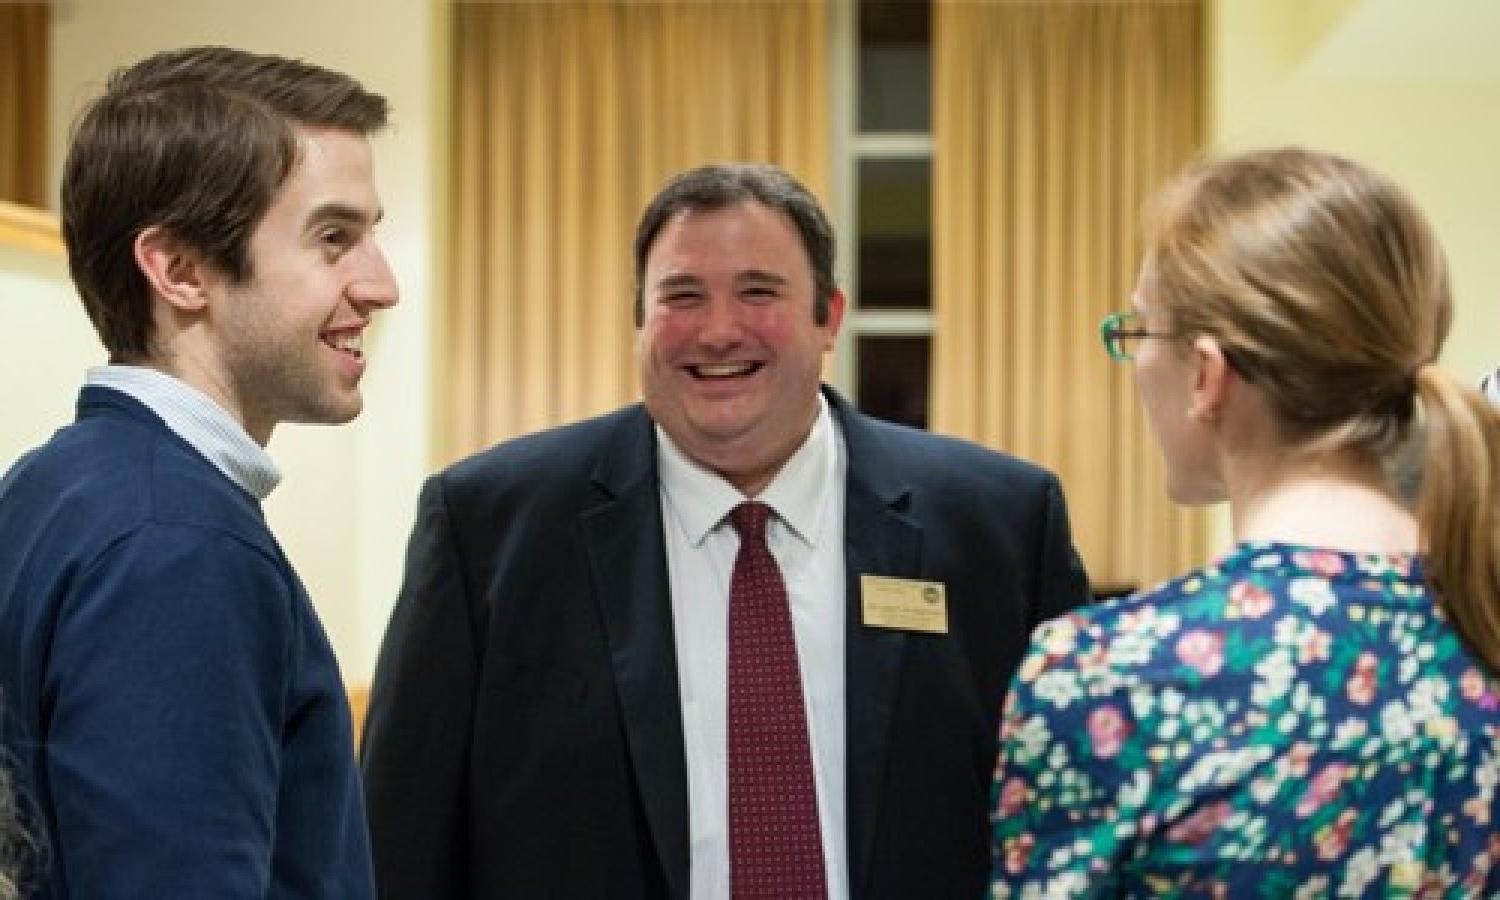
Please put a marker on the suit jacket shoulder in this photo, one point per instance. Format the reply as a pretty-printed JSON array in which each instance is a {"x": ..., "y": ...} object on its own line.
[
  {"x": 890, "y": 459},
  {"x": 939, "y": 457},
  {"x": 612, "y": 447}
]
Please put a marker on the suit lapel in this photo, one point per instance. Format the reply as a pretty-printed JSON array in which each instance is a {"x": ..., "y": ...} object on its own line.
[
  {"x": 880, "y": 540},
  {"x": 623, "y": 535}
]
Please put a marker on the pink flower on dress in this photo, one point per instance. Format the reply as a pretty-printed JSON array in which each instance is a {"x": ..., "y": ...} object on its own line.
[
  {"x": 1478, "y": 809},
  {"x": 1200, "y": 826},
  {"x": 1314, "y": 646},
  {"x": 1361, "y": 686},
  {"x": 1320, "y": 561},
  {"x": 1012, "y": 796},
  {"x": 1332, "y": 840},
  {"x": 1107, "y": 731},
  {"x": 1092, "y": 661},
  {"x": 1202, "y": 651},
  {"x": 1017, "y": 851},
  {"x": 1434, "y": 885},
  {"x": 1248, "y": 601},
  {"x": 1323, "y": 788},
  {"x": 1298, "y": 757},
  {"x": 1476, "y": 689},
  {"x": 1471, "y": 684}
]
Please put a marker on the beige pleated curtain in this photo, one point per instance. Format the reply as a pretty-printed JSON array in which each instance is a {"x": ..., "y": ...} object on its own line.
[
  {"x": 23, "y": 103},
  {"x": 1053, "y": 121},
  {"x": 568, "y": 116}
]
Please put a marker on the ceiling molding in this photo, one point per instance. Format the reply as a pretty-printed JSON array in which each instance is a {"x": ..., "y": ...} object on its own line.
[{"x": 1404, "y": 40}]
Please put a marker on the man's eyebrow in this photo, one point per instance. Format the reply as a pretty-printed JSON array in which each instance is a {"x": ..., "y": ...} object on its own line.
[
  {"x": 671, "y": 281},
  {"x": 761, "y": 275},
  {"x": 343, "y": 212}
]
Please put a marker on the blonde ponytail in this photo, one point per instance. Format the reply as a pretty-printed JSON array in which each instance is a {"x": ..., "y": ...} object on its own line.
[{"x": 1457, "y": 509}]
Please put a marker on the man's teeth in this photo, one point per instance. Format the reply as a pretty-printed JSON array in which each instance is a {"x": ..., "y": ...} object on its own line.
[
  {"x": 724, "y": 370},
  {"x": 349, "y": 342}
]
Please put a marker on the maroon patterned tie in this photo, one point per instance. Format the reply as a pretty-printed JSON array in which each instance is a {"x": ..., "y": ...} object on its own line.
[{"x": 775, "y": 847}]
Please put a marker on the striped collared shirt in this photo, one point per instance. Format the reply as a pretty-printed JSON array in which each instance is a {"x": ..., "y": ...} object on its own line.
[{"x": 197, "y": 419}]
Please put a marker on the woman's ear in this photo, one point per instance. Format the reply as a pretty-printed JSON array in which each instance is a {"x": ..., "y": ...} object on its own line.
[
  {"x": 1211, "y": 377},
  {"x": 176, "y": 273}
]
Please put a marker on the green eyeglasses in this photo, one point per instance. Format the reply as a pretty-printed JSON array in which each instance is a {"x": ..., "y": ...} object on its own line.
[{"x": 1120, "y": 327}]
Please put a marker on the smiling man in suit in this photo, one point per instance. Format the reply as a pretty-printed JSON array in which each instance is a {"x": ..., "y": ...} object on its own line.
[{"x": 738, "y": 640}]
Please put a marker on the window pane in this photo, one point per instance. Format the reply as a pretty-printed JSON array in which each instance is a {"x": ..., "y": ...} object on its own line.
[
  {"x": 895, "y": 233},
  {"x": 895, "y": 65},
  {"x": 893, "y": 376}
]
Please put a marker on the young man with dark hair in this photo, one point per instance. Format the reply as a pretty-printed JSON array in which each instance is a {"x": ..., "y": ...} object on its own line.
[
  {"x": 737, "y": 640},
  {"x": 176, "y": 717}
]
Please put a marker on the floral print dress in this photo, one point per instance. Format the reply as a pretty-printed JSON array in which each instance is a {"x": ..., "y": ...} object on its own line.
[{"x": 1287, "y": 722}]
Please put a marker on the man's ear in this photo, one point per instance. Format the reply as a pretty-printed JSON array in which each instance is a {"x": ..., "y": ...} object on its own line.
[
  {"x": 836, "y": 304},
  {"x": 1212, "y": 375},
  {"x": 174, "y": 271}
]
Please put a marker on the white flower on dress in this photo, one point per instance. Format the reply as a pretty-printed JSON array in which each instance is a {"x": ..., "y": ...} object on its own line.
[
  {"x": 1488, "y": 775},
  {"x": 1427, "y": 698},
  {"x": 1142, "y": 701},
  {"x": 1134, "y": 793},
  {"x": 1392, "y": 813},
  {"x": 1286, "y": 631},
  {"x": 1314, "y": 593},
  {"x": 1401, "y": 843},
  {"x": 1396, "y": 722},
  {"x": 1030, "y": 740},
  {"x": 1058, "y": 687},
  {"x": 1058, "y": 637},
  {"x": 1361, "y": 870},
  {"x": 1406, "y": 669},
  {"x": 1067, "y": 884},
  {"x": 1130, "y": 650},
  {"x": 1276, "y": 672}
]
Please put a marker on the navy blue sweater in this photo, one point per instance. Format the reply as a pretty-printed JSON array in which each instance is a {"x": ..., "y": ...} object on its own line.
[{"x": 172, "y": 707}]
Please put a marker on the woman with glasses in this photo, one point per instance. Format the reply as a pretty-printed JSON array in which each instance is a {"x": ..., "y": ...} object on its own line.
[{"x": 1316, "y": 713}]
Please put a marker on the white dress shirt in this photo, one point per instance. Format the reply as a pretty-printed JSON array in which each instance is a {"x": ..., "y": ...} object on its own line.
[{"x": 806, "y": 535}]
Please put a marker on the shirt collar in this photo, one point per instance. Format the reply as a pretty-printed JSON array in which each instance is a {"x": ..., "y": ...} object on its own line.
[
  {"x": 703, "y": 499},
  {"x": 198, "y": 419},
  {"x": 1489, "y": 385}
]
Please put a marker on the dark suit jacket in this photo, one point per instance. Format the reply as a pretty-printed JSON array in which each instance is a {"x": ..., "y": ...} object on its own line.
[{"x": 525, "y": 734}]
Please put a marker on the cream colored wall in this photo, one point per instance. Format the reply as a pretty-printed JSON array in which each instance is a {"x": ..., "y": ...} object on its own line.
[
  {"x": 1435, "y": 132},
  {"x": 49, "y": 343},
  {"x": 1282, "y": 71},
  {"x": 345, "y": 505}
]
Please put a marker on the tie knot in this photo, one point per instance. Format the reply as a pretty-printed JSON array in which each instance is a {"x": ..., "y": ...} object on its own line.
[{"x": 749, "y": 519}]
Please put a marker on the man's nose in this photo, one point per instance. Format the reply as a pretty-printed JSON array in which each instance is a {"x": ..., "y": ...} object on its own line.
[
  {"x": 721, "y": 324},
  {"x": 374, "y": 285}
]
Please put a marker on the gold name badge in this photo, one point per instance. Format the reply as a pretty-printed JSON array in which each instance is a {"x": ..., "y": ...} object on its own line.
[{"x": 904, "y": 604}]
